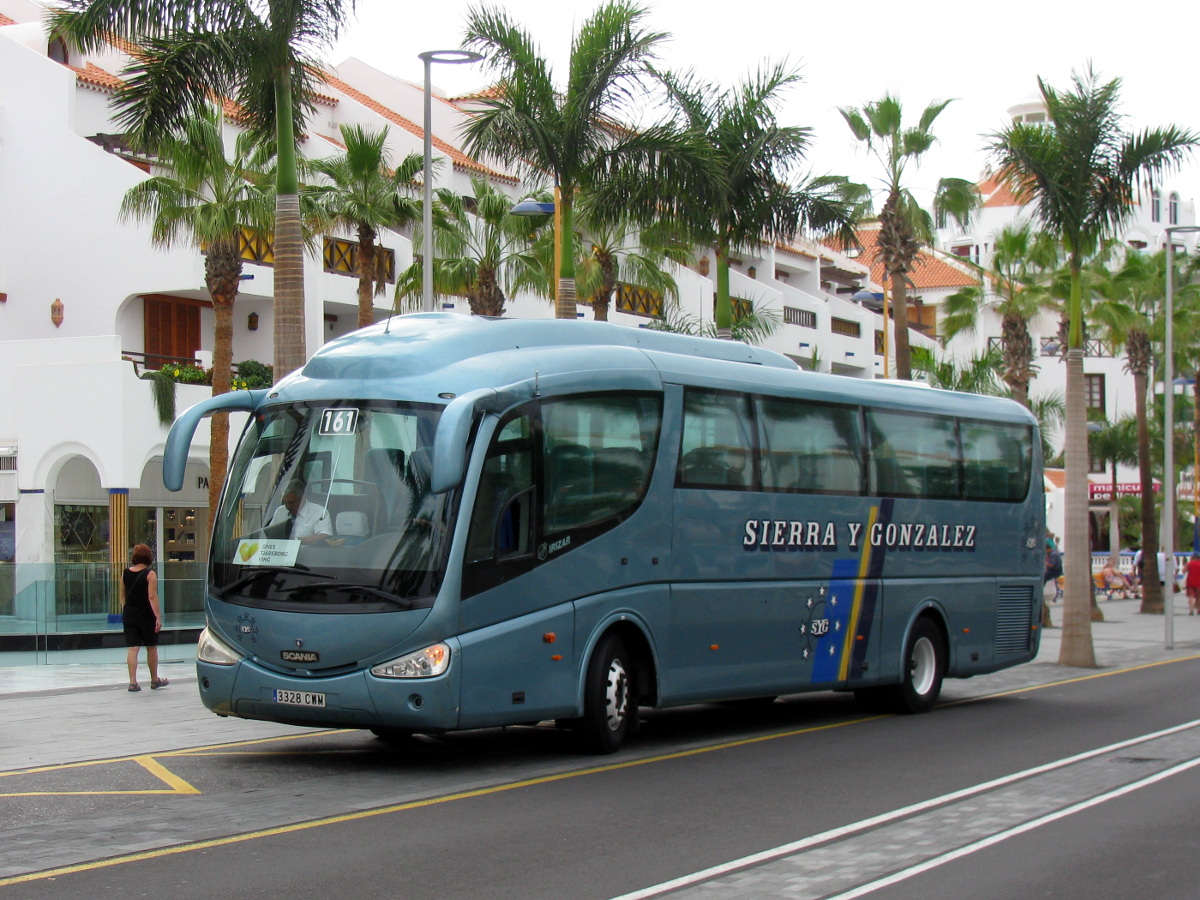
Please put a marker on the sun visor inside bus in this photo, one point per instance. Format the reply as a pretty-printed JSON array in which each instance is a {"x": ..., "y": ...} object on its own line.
[
  {"x": 454, "y": 426},
  {"x": 175, "y": 455}
]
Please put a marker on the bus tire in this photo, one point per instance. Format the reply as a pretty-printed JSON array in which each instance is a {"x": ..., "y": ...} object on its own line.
[
  {"x": 924, "y": 669},
  {"x": 609, "y": 701}
]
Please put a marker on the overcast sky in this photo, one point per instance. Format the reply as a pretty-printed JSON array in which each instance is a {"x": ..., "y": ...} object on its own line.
[{"x": 986, "y": 56}]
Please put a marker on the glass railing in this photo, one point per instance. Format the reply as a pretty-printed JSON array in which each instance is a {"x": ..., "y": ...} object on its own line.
[{"x": 48, "y": 607}]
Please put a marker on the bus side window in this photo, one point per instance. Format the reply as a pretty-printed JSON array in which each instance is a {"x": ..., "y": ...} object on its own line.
[
  {"x": 914, "y": 455},
  {"x": 809, "y": 447},
  {"x": 996, "y": 461},
  {"x": 717, "y": 445},
  {"x": 598, "y": 452}
]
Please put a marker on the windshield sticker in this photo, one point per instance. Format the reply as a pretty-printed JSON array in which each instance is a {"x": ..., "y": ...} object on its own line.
[
  {"x": 786, "y": 534},
  {"x": 266, "y": 553}
]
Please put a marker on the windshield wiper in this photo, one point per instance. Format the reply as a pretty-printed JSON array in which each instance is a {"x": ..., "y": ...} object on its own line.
[
  {"x": 252, "y": 577},
  {"x": 364, "y": 589}
]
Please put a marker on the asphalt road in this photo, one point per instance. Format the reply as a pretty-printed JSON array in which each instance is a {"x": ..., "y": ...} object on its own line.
[{"x": 1085, "y": 787}]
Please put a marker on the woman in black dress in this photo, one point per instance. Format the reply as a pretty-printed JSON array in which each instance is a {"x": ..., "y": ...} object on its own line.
[{"x": 141, "y": 616}]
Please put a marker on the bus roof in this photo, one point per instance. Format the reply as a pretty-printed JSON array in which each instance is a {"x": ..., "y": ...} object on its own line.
[
  {"x": 404, "y": 357},
  {"x": 426, "y": 342}
]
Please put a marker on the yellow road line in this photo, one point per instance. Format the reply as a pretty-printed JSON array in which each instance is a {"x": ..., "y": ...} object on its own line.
[
  {"x": 175, "y": 784},
  {"x": 404, "y": 807},
  {"x": 155, "y": 768},
  {"x": 342, "y": 818}
]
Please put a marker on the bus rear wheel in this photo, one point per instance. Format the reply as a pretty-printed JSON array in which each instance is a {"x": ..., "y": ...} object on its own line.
[
  {"x": 924, "y": 669},
  {"x": 610, "y": 701}
]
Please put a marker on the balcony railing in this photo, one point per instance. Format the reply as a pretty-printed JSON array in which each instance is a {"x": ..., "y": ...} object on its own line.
[
  {"x": 152, "y": 362},
  {"x": 845, "y": 327},
  {"x": 1051, "y": 346},
  {"x": 639, "y": 301}
]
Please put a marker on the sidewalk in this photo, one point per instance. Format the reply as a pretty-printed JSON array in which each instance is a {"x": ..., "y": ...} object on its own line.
[{"x": 54, "y": 714}]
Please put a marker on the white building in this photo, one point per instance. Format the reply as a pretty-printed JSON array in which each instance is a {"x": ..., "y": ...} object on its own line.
[
  {"x": 1108, "y": 386},
  {"x": 87, "y": 304}
]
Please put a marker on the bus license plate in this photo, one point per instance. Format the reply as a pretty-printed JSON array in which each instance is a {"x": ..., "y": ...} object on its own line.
[{"x": 299, "y": 698}]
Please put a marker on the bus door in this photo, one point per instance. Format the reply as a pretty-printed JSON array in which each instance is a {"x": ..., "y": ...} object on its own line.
[{"x": 557, "y": 517}]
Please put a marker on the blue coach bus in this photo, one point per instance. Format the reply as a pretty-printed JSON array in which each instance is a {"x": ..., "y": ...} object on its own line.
[{"x": 448, "y": 522}]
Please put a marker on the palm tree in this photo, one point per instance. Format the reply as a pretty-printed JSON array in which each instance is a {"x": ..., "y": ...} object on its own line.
[
  {"x": 483, "y": 251},
  {"x": 748, "y": 200},
  {"x": 261, "y": 55},
  {"x": 204, "y": 199},
  {"x": 1131, "y": 298},
  {"x": 976, "y": 375},
  {"x": 364, "y": 194},
  {"x": 621, "y": 250},
  {"x": 1021, "y": 262},
  {"x": 1050, "y": 410},
  {"x": 753, "y": 326},
  {"x": 904, "y": 225},
  {"x": 1117, "y": 444},
  {"x": 571, "y": 132},
  {"x": 1081, "y": 170}
]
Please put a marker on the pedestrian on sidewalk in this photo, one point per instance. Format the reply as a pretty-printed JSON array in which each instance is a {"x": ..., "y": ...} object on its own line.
[
  {"x": 141, "y": 615},
  {"x": 1193, "y": 585}
]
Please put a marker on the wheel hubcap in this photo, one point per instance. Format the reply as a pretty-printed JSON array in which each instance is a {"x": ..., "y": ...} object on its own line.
[
  {"x": 616, "y": 695},
  {"x": 923, "y": 666}
]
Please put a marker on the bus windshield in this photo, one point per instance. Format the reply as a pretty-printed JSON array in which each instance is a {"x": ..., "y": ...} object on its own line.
[{"x": 328, "y": 508}]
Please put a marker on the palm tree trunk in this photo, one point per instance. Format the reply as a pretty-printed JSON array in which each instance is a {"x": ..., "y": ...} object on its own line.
[
  {"x": 218, "y": 442},
  {"x": 222, "y": 276},
  {"x": 1076, "y": 647},
  {"x": 900, "y": 320},
  {"x": 1017, "y": 356},
  {"x": 366, "y": 276},
  {"x": 290, "y": 350},
  {"x": 608, "y": 283}
]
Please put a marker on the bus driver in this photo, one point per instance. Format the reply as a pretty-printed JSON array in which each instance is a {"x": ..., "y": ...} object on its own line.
[{"x": 306, "y": 522}]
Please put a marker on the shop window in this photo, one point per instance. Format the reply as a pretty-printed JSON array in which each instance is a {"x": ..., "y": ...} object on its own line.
[
  {"x": 82, "y": 585},
  {"x": 8, "y": 555}
]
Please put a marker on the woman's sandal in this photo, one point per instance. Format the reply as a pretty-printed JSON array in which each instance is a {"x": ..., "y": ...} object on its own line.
[
  {"x": 156, "y": 684},
  {"x": 134, "y": 686}
]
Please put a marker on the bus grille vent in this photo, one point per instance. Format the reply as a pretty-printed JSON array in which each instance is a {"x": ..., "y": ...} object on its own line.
[{"x": 1014, "y": 613}]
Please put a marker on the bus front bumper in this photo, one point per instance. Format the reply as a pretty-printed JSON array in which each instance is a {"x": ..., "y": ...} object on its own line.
[{"x": 351, "y": 700}]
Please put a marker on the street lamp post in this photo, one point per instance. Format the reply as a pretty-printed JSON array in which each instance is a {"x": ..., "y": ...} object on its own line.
[
  {"x": 1167, "y": 538},
  {"x": 429, "y": 57}
]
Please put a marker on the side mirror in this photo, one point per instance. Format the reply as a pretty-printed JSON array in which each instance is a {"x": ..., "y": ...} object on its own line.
[
  {"x": 175, "y": 455},
  {"x": 454, "y": 427}
]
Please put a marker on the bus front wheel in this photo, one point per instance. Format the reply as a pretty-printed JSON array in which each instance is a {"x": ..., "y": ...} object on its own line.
[
  {"x": 610, "y": 701},
  {"x": 924, "y": 669}
]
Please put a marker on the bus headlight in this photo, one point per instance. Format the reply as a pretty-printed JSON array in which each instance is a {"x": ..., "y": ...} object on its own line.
[
  {"x": 426, "y": 663},
  {"x": 211, "y": 649}
]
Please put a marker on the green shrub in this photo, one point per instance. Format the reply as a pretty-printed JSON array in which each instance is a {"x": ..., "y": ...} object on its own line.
[
  {"x": 182, "y": 374},
  {"x": 251, "y": 375}
]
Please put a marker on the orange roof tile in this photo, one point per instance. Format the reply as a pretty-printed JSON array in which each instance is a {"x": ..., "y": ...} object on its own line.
[
  {"x": 794, "y": 250},
  {"x": 459, "y": 158},
  {"x": 94, "y": 76},
  {"x": 996, "y": 193},
  {"x": 1057, "y": 477},
  {"x": 932, "y": 270},
  {"x": 5, "y": 20},
  {"x": 333, "y": 141}
]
